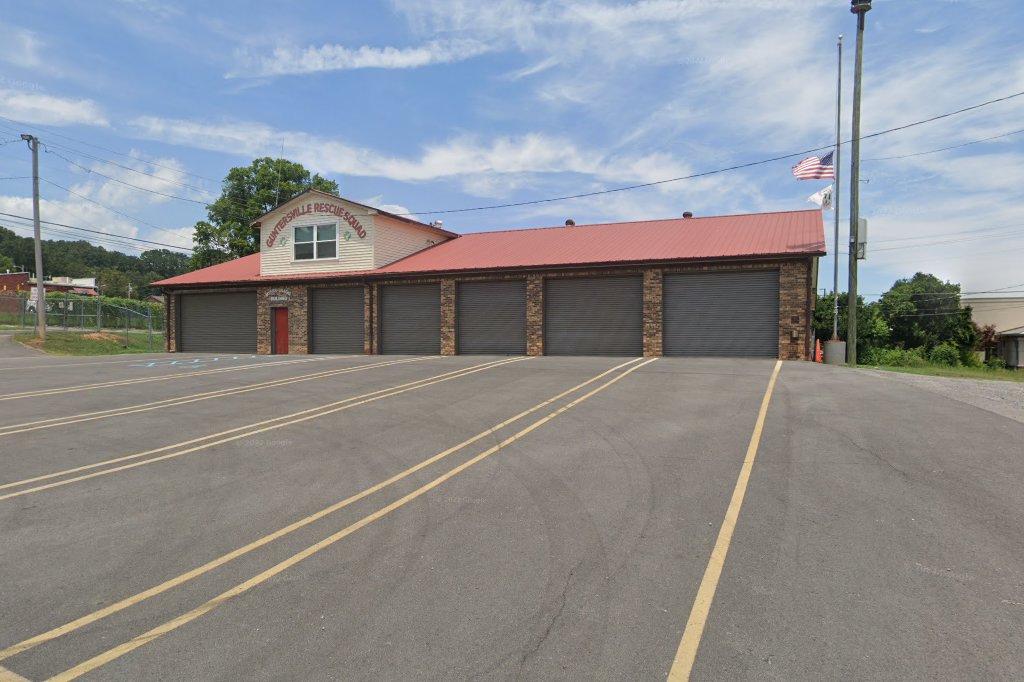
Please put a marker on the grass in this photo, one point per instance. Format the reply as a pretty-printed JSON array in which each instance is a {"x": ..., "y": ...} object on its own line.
[
  {"x": 958, "y": 372},
  {"x": 92, "y": 343}
]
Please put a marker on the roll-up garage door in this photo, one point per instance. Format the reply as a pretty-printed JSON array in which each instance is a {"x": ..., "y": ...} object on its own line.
[
  {"x": 491, "y": 317},
  {"x": 410, "y": 319},
  {"x": 733, "y": 314},
  {"x": 337, "y": 321},
  {"x": 218, "y": 323},
  {"x": 593, "y": 316}
]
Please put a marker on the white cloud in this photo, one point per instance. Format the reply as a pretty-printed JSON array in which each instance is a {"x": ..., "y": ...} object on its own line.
[
  {"x": 77, "y": 212},
  {"x": 20, "y": 47},
  {"x": 294, "y": 60},
  {"x": 161, "y": 10},
  {"x": 124, "y": 188},
  {"x": 460, "y": 156},
  {"x": 534, "y": 69},
  {"x": 379, "y": 203},
  {"x": 43, "y": 109},
  {"x": 70, "y": 211}
]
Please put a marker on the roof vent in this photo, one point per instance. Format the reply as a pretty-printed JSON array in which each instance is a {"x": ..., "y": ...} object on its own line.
[
  {"x": 688, "y": 214},
  {"x": 439, "y": 224},
  {"x": 570, "y": 222}
]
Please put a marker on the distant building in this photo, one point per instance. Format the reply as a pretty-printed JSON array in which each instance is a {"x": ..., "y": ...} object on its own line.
[
  {"x": 23, "y": 282},
  {"x": 1007, "y": 316},
  {"x": 84, "y": 286},
  {"x": 14, "y": 282}
]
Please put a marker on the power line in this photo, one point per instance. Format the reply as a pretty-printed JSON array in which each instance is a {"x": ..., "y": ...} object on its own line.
[
  {"x": 944, "y": 149},
  {"x": 944, "y": 242},
  {"x": 109, "y": 234},
  {"x": 595, "y": 193},
  {"x": 96, "y": 146},
  {"x": 114, "y": 241},
  {"x": 68, "y": 235},
  {"x": 948, "y": 234},
  {"x": 122, "y": 182},
  {"x": 721, "y": 170},
  {"x": 953, "y": 312},
  {"x": 112, "y": 210},
  {"x": 72, "y": 150}
]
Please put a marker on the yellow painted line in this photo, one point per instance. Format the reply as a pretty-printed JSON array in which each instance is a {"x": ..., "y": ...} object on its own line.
[
  {"x": 682, "y": 666},
  {"x": 12, "y": 429},
  {"x": 146, "y": 380},
  {"x": 241, "y": 588},
  {"x": 9, "y": 676},
  {"x": 320, "y": 411},
  {"x": 100, "y": 614}
]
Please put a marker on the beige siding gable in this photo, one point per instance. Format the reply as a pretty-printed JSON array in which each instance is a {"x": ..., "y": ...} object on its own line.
[
  {"x": 354, "y": 237},
  {"x": 395, "y": 239}
]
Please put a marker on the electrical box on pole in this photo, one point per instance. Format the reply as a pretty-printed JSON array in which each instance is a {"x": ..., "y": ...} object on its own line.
[{"x": 862, "y": 239}]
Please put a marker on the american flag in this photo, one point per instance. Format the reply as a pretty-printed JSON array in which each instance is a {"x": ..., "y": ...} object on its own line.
[{"x": 814, "y": 168}]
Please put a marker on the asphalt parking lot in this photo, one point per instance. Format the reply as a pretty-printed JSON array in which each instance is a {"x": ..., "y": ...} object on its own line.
[{"x": 350, "y": 517}]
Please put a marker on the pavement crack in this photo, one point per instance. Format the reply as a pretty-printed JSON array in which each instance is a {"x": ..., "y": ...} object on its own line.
[
  {"x": 874, "y": 453},
  {"x": 562, "y": 600}
]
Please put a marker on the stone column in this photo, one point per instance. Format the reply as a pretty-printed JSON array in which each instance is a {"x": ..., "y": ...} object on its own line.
[
  {"x": 170, "y": 323},
  {"x": 652, "y": 313},
  {"x": 369, "y": 329},
  {"x": 535, "y": 315},
  {"x": 448, "y": 316}
]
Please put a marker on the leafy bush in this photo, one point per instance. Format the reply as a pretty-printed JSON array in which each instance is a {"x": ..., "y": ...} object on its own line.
[
  {"x": 945, "y": 354},
  {"x": 896, "y": 357},
  {"x": 971, "y": 358},
  {"x": 995, "y": 362}
]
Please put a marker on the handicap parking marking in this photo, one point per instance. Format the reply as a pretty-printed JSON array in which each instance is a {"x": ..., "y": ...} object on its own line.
[{"x": 193, "y": 363}]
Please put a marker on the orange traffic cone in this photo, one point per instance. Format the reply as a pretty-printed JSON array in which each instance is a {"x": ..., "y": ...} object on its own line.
[{"x": 817, "y": 350}]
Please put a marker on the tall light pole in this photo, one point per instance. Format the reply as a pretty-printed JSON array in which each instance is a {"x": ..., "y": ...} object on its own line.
[
  {"x": 860, "y": 8},
  {"x": 33, "y": 144}
]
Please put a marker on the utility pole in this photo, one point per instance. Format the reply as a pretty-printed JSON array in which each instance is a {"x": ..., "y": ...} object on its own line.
[
  {"x": 835, "y": 194},
  {"x": 860, "y": 8},
  {"x": 33, "y": 144}
]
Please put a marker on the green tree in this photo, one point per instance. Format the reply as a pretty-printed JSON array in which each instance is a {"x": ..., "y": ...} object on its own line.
[
  {"x": 247, "y": 193},
  {"x": 6, "y": 263},
  {"x": 924, "y": 312},
  {"x": 113, "y": 283},
  {"x": 872, "y": 330},
  {"x": 163, "y": 262}
]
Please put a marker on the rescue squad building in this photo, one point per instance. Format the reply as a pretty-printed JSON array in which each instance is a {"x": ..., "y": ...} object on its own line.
[{"x": 336, "y": 276}]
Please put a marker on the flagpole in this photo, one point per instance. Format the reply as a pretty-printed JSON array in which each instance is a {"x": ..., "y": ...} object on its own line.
[{"x": 835, "y": 195}]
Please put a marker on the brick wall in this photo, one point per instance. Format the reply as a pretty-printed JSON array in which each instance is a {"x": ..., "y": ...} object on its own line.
[
  {"x": 795, "y": 312},
  {"x": 796, "y": 301}
]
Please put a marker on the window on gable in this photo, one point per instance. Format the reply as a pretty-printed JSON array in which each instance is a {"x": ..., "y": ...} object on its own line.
[{"x": 314, "y": 242}]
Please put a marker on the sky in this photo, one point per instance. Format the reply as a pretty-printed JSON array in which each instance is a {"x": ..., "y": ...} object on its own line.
[{"x": 420, "y": 106}]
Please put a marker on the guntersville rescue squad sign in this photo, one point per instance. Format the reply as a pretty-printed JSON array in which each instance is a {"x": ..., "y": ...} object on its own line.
[{"x": 316, "y": 207}]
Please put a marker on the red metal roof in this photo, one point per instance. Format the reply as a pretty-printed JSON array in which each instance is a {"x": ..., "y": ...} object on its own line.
[
  {"x": 760, "y": 235},
  {"x": 242, "y": 269}
]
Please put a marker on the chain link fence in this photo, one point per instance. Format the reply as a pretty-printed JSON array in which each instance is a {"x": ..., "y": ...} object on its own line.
[{"x": 85, "y": 314}]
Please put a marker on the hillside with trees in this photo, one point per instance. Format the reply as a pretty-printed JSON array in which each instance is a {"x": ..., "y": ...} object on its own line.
[{"x": 113, "y": 270}]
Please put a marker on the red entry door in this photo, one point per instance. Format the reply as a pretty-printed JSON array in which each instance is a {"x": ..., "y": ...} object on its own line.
[{"x": 281, "y": 331}]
